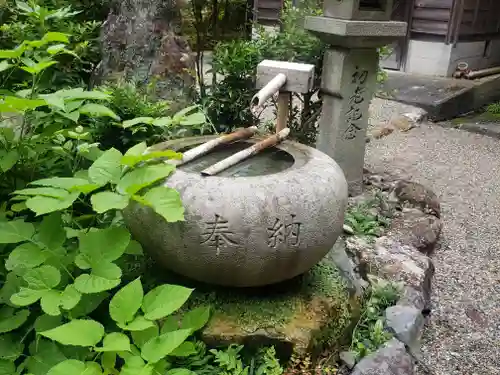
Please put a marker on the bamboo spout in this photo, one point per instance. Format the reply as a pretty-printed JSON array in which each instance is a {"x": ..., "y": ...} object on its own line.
[{"x": 267, "y": 91}]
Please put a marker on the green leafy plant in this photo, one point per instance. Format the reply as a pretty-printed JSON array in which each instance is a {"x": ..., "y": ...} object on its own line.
[
  {"x": 227, "y": 101},
  {"x": 66, "y": 269},
  {"x": 370, "y": 333},
  {"x": 55, "y": 133},
  {"x": 32, "y": 20},
  {"x": 143, "y": 118},
  {"x": 361, "y": 219},
  {"x": 493, "y": 109}
]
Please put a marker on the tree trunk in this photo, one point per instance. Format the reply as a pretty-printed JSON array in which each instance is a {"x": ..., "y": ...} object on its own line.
[{"x": 140, "y": 43}]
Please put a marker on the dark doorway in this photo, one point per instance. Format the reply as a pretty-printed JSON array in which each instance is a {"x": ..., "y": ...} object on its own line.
[{"x": 401, "y": 12}]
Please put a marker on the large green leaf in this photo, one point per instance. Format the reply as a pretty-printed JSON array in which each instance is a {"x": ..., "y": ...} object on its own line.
[
  {"x": 11, "y": 347},
  {"x": 196, "y": 319},
  {"x": 68, "y": 183},
  {"x": 108, "y": 362},
  {"x": 141, "y": 177},
  {"x": 138, "y": 120},
  {"x": 89, "y": 283},
  {"x": 104, "y": 245},
  {"x": 11, "y": 285},
  {"x": 11, "y": 319},
  {"x": 134, "y": 365},
  {"x": 164, "y": 300},
  {"x": 44, "y": 192},
  {"x": 7, "y": 367},
  {"x": 142, "y": 337},
  {"x": 140, "y": 153},
  {"x": 53, "y": 300},
  {"x": 44, "y": 355},
  {"x": 15, "y": 231},
  {"x": 44, "y": 205},
  {"x": 114, "y": 342},
  {"x": 77, "y": 332},
  {"x": 159, "y": 347},
  {"x": 98, "y": 110},
  {"x": 8, "y": 159},
  {"x": 38, "y": 67},
  {"x": 25, "y": 256},
  {"x": 140, "y": 323},
  {"x": 88, "y": 303},
  {"x": 43, "y": 278},
  {"x": 41, "y": 282},
  {"x": 4, "y": 65},
  {"x": 45, "y": 322},
  {"x": 126, "y": 302},
  {"x": 107, "y": 168},
  {"x": 55, "y": 36},
  {"x": 51, "y": 231},
  {"x": 134, "y": 248},
  {"x": 185, "y": 349},
  {"x": 166, "y": 202},
  {"x": 107, "y": 200},
  {"x": 79, "y": 93},
  {"x": 74, "y": 367}
]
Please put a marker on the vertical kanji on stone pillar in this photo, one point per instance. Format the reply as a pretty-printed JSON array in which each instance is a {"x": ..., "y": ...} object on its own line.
[
  {"x": 353, "y": 29},
  {"x": 141, "y": 43}
]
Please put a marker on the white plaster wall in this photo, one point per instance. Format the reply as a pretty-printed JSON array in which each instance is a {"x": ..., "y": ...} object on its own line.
[{"x": 429, "y": 58}]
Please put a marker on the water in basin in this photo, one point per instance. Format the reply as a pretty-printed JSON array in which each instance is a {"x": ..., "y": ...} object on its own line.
[{"x": 271, "y": 160}]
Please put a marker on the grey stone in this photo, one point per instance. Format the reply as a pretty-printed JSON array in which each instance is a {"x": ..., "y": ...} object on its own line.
[
  {"x": 412, "y": 297},
  {"x": 248, "y": 231},
  {"x": 415, "y": 228},
  {"x": 349, "y": 78},
  {"x": 140, "y": 43},
  {"x": 417, "y": 116},
  {"x": 348, "y": 358},
  {"x": 417, "y": 195},
  {"x": 391, "y": 359},
  {"x": 406, "y": 323},
  {"x": 354, "y": 34},
  {"x": 296, "y": 316},
  {"x": 347, "y": 268},
  {"x": 395, "y": 262},
  {"x": 299, "y": 77}
]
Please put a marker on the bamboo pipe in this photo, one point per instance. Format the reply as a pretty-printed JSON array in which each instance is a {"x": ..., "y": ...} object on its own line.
[
  {"x": 246, "y": 153},
  {"x": 210, "y": 145}
]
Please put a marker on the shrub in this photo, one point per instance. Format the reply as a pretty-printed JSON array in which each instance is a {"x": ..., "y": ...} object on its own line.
[
  {"x": 227, "y": 102},
  {"x": 31, "y": 22}
]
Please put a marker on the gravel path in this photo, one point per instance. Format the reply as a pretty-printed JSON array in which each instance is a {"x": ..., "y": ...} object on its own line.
[{"x": 463, "y": 335}]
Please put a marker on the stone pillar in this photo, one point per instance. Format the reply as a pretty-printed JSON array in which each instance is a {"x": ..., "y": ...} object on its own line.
[
  {"x": 349, "y": 79},
  {"x": 354, "y": 29}
]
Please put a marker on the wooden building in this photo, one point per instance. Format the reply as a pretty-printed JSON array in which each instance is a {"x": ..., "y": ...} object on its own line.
[{"x": 441, "y": 34}]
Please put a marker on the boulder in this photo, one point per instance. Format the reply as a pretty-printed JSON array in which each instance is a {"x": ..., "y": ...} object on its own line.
[
  {"x": 394, "y": 262},
  {"x": 406, "y": 323},
  {"x": 391, "y": 359},
  {"x": 298, "y": 316},
  {"x": 417, "y": 195},
  {"x": 417, "y": 229}
]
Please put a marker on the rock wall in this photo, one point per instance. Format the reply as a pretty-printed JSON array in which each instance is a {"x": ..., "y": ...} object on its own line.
[{"x": 401, "y": 255}]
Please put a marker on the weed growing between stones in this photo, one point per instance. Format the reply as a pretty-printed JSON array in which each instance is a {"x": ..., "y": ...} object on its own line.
[
  {"x": 369, "y": 333},
  {"x": 367, "y": 218}
]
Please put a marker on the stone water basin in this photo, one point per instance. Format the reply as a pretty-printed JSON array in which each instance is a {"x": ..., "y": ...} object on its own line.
[{"x": 268, "y": 219}]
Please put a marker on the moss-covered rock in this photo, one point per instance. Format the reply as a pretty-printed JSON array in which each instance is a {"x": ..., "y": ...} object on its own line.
[{"x": 301, "y": 315}]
